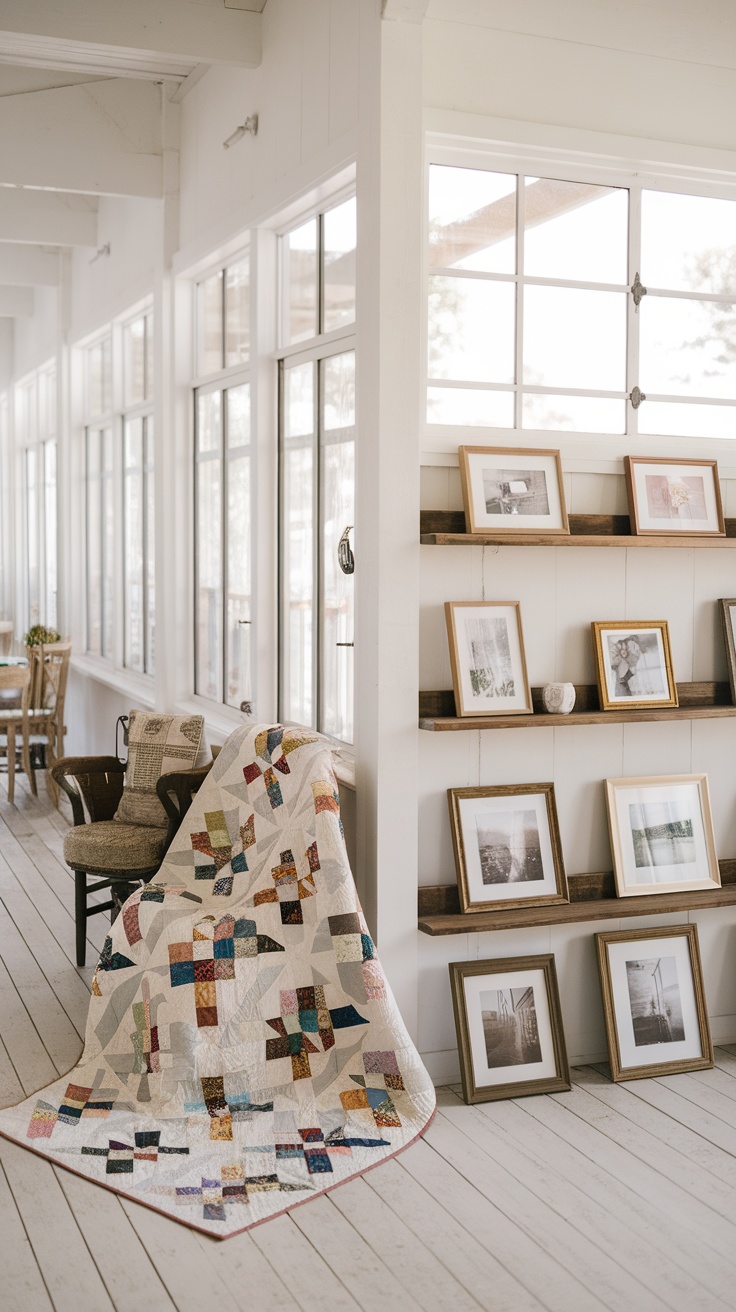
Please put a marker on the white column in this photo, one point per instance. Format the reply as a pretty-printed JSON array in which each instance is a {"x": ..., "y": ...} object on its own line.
[{"x": 387, "y": 529}]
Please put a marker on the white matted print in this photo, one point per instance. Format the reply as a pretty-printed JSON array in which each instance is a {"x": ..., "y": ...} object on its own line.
[
  {"x": 512, "y": 491},
  {"x": 661, "y": 834},
  {"x": 507, "y": 846},
  {"x": 509, "y": 1027},
  {"x": 634, "y": 664},
  {"x": 674, "y": 497},
  {"x": 654, "y": 1004},
  {"x": 487, "y": 657}
]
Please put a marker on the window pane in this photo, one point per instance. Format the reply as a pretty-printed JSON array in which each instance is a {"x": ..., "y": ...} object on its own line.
[
  {"x": 299, "y": 275},
  {"x": 338, "y": 275},
  {"x": 471, "y": 330},
  {"x": 298, "y": 548},
  {"x": 107, "y": 544},
  {"x": 94, "y": 544},
  {"x": 472, "y": 219},
  {"x": 99, "y": 394},
  {"x": 209, "y": 324},
  {"x": 208, "y": 421},
  {"x": 688, "y": 242},
  {"x": 688, "y": 347},
  {"x": 134, "y": 367},
  {"x": 150, "y": 548},
  {"x": 338, "y": 512},
  {"x": 133, "y": 518},
  {"x": 238, "y": 582},
  {"x": 575, "y": 230},
  {"x": 237, "y": 312},
  {"x": 238, "y": 415},
  {"x": 46, "y": 404},
  {"x": 680, "y": 419},
  {"x": 149, "y": 356},
  {"x": 50, "y": 532},
  {"x": 209, "y": 580},
  {"x": 575, "y": 338},
  {"x": 32, "y": 530},
  {"x": 26, "y": 422},
  {"x": 470, "y": 405},
  {"x": 575, "y": 414}
]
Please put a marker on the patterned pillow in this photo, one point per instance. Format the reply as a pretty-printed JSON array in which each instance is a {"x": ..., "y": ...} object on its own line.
[{"x": 158, "y": 744}]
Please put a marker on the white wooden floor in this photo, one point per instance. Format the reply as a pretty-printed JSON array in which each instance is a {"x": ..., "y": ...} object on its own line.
[{"x": 608, "y": 1197}]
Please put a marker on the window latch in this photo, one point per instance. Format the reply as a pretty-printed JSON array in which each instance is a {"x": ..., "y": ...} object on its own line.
[
  {"x": 245, "y": 621},
  {"x": 345, "y": 557},
  {"x": 636, "y": 396},
  {"x": 638, "y": 290}
]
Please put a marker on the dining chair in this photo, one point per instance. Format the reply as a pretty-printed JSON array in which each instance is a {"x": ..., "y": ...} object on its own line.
[
  {"x": 15, "y": 722},
  {"x": 49, "y": 672}
]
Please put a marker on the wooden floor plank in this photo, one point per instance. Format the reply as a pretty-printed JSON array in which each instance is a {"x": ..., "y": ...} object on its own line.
[
  {"x": 705, "y": 1094},
  {"x": 686, "y": 1112},
  {"x": 308, "y": 1276},
  {"x": 604, "y": 1281},
  {"x": 11, "y": 1089},
  {"x": 68, "y": 985},
  {"x": 61, "y": 1040},
  {"x": 54, "y": 903},
  {"x": 469, "y": 1262},
  {"x": 23, "y": 1288},
  {"x": 69, "y": 1272},
  {"x": 626, "y": 1225},
  {"x": 32, "y": 1063},
  {"x": 411, "y": 1260},
  {"x": 242, "y": 1266},
  {"x": 184, "y": 1267}
]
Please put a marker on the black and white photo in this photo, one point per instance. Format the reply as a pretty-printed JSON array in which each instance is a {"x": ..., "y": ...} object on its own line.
[
  {"x": 487, "y": 658},
  {"x": 507, "y": 491},
  {"x": 661, "y": 834},
  {"x": 507, "y": 846},
  {"x": 654, "y": 1000},
  {"x": 510, "y": 1027},
  {"x": 633, "y": 664}
]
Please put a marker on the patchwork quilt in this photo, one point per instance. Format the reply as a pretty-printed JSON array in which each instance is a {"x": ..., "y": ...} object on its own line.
[{"x": 243, "y": 1051}]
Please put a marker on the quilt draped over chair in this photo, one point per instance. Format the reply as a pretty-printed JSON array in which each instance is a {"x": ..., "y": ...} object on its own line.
[{"x": 243, "y": 1051}]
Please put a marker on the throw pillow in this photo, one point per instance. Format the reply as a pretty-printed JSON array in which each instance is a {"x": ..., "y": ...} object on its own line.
[{"x": 158, "y": 744}]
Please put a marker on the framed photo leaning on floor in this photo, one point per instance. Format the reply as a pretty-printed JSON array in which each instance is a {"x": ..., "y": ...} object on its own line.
[
  {"x": 654, "y": 1001},
  {"x": 509, "y": 1027}
]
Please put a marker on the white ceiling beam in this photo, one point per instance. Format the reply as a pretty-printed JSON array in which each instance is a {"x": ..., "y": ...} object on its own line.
[
  {"x": 16, "y": 302},
  {"x": 47, "y": 218},
  {"x": 102, "y": 138},
  {"x": 28, "y": 266},
  {"x": 199, "y": 31}
]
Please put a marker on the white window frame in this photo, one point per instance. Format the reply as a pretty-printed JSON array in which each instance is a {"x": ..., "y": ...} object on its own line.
[
  {"x": 131, "y": 411},
  {"x": 33, "y": 438}
]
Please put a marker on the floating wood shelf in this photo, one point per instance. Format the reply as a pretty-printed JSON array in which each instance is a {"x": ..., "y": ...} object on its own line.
[
  {"x": 446, "y": 528},
  {"x": 698, "y": 701},
  {"x": 592, "y": 897}
]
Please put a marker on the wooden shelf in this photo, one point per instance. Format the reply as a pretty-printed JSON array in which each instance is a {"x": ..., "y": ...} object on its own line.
[
  {"x": 592, "y": 897},
  {"x": 698, "y": 701},
  {"x": 446, "y": 528}
]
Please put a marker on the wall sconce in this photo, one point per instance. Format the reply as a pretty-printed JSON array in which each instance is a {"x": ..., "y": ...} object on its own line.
[{"x": 249, "y": 126}]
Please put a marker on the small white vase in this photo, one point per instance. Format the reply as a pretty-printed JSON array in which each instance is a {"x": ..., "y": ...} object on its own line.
[{"x": 558, "y": 698}]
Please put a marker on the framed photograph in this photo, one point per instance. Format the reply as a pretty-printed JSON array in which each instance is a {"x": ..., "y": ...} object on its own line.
[
  {"x": 674, "y": 496},
  {"x": 509, "y": 1027},
  {"x": 654, "y": 1001},
  {"x": 661, "y": 834},
  {"x": 633, "y": 663},
  {"x": 510, "y": 491},
  {"x": 507, "y": 846},
  {"x": 728, "y": 620},
  {"x": 487, "y": 658}
]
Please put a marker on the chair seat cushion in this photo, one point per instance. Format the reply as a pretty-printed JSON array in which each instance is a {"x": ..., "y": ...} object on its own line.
[{"x": 114, "y": 846}]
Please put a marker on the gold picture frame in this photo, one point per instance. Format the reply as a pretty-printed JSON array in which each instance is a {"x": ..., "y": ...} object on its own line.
[
  {"x": 490, "y": 632},
  {"x": 674, "y": 497},
  {"x": 633, "y": 669},
  {"x": 508, "y": 1019},
  {"x": 662, "y": 838},
  {"x": 508, "y": 490},
  {"x": 654, "y": 1001},
  {"x": 727, "y": 607},
  {"x": 506, "y": 841}
]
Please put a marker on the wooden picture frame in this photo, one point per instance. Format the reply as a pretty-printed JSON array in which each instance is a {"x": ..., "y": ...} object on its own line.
[
  {"x": 674, "y": 497},
  {"x": 662, "y": 838},
  {"x": 654, "y": 1001},
  {"x": 487, "y": 658},
  {"x": 727, "y": 606},
  {"x": 633, "y": 664},
  {"x": 509, "y": 1027},
  {"x": 509, "y": 490},
  {"x": 506, "y": 841}
]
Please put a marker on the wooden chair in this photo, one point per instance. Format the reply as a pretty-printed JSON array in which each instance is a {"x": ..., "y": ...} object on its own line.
[
  {"x": 115, "y": 855},
  {"x": 49, "y": 672},
  {"x": 14, "y": 721}
]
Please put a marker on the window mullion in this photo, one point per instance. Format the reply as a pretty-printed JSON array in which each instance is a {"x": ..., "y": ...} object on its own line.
[
  {"x": 519, "y": 356},
  {"x": 317, "y": 549},
  {"x": 633, "y": 312}
]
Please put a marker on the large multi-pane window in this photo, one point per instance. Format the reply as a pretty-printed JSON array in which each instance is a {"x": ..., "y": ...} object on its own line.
[
  {"x": 138, "y": 494},
  {"x": 223, "y": 487},
  {"x": 317, "y": 469},
  {"x": 99, "y": 488},
  {"x": 36, "y": 435},
  {"x": 570, "y": 305}
]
